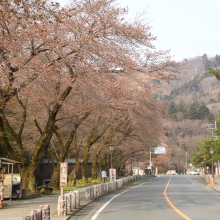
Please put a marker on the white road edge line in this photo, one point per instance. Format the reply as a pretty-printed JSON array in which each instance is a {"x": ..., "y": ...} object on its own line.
[{"x": 100, "y": 210}]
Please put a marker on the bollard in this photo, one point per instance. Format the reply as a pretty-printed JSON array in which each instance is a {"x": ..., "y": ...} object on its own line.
[
  {"x": 77, "y": 197},
  {"x": 24, "y": 193},
  {"x": 117, "y": 184},
  {"x": 94, "y": 191},
  {"x": 88, "y": 194},
  {"x": 102, "y": 188},
  {"x": 114, "y": 184},
  {"x": 28, "y": 217},
  {"x": 110, "y": 186},
  {"x": 62, "y": 206},
  {"x": 68, "y": 202},
  {"x": 97, "y": 191},
  {"x": 65, "y": 205},
  {"x": 37, "y": 214},
  {"x": 107, "y": 187},
  {"x": 73, "y": 201},
  {"x": 121, "y": 183},
  {"x": 45, "y": 209},
  {"x": 1, "y": 196}
]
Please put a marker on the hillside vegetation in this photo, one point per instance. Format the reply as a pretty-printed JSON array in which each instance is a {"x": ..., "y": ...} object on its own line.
[{"x": 191, "y": 102}]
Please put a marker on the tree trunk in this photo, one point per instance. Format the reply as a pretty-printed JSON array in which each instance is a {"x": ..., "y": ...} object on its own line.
[
  {"x": 94, "y": 166},
  {"x": 55, "y": 179},
  {"x": 24, "y": 172},
  {"x": 84, "y": 165},
  {"x": 72, "y": 176}
]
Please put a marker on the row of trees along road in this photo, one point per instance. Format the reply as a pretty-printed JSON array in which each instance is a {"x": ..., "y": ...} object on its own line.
[{"x": 74, "y": 80}]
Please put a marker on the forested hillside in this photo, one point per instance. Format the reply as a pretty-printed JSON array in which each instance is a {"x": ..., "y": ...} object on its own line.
[{"x": 190, "y": 102}]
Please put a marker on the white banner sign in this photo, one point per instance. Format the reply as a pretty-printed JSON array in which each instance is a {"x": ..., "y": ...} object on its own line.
[
  {"x": 112, "y": 175},
  {"x": 159, "y": 150},
  {"x": 63, "y": 174}
]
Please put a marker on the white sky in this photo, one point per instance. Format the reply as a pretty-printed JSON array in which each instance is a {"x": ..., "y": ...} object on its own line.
[{"x": 188, "y": 28}]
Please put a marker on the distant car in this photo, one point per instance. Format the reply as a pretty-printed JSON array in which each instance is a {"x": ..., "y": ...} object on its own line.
[
  {"x": 194, "y": 172},
  {"x": 171, "y": 172}
]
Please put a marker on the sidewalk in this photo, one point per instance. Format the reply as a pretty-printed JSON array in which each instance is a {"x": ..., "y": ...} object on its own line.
[
  {"x": 16, "y": 209},
  {"x": 208, "y": 180},
  {"x": 217, "y": 183}
]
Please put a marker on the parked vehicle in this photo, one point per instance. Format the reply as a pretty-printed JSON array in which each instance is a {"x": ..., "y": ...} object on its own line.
[
  {"x": 11, "y": 178},
  {"x": 171, "y": 172},
  {"x": 194, "y": 172}
]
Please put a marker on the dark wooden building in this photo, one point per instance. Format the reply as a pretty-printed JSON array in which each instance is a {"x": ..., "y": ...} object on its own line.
[{"x": 47, "y": 167}]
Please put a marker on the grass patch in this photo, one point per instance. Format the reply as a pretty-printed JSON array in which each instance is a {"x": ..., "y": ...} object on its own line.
[{"x": 80, "y": 184}]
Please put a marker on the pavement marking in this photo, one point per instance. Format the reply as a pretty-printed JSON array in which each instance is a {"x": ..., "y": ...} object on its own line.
[
  {"x": 193, "y": 183},
  {"x": 171, "y": 204},
  {"x": 216, "y": 196},
  {"x": 100, "y": 210}
]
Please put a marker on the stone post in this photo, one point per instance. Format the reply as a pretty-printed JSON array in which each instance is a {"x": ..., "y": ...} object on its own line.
[
  {"x": 77, "y": 197},
  {"x": 1, "y": 196},
  {"x": 37, "y": 213},
  {"x": 45, "y": 209},
  {"x": 88, "y": 194}
]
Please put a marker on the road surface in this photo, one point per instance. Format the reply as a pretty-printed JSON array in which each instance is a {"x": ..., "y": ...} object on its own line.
[{"x": 163, "y": 197}]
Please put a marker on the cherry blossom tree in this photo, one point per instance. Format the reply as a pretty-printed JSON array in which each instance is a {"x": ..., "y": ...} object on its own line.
[{"x": 46, "y": 49}]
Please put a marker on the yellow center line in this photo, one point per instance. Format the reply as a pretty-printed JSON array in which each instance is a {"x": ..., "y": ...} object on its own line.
[{"x": 171, "y": 204}]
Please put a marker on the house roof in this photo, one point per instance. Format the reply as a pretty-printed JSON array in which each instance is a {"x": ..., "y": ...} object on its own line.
[{"x": 69, "y": 161}]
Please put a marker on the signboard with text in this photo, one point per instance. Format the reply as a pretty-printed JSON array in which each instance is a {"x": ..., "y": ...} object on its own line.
[
  {"x": 63, "y": 174},
  {"x": 159, "y": 150},
  {"x": 112, "y": 175}
]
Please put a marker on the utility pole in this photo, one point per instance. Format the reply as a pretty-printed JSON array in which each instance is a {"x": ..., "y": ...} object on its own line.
[
  {"x": 212, "y": 127},
  {"x": 151, "y": 160}
]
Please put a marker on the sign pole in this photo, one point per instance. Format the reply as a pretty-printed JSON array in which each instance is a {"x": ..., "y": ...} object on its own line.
[
  {"x": 63, "y": 183},
  {"x": 61, "y": 200}
]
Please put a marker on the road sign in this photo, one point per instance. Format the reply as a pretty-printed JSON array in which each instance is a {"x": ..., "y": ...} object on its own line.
[
  {"x": 159, "y": 150},
  {"x": 63, "y": 174}
]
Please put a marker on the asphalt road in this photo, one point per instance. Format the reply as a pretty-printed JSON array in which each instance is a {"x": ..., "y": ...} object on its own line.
[{"x": 163, "y": 197}]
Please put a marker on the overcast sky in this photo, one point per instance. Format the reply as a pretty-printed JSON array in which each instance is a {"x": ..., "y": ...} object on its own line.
[{"x": 189, "y": 28}]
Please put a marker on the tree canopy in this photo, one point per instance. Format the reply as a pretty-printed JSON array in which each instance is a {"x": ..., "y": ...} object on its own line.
[{"x": 60, "y": 65}]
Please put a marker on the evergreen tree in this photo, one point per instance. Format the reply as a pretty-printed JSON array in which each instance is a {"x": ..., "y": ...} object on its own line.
[
  {"x": 211, "y": 117},
  {"x": 203, "y": 111},
  {"x": 217, "y": 60},
  {"x": 207, "y": 62},
  {"x": 181, "y": 107},
  {"x": 171, "y": 109},
  {"x": 215, "y": 72},
  {"x": 193, "y": 112}
]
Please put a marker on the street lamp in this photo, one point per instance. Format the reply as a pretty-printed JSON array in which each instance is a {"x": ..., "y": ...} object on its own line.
[
  {"x": 212, "y": 152},
  {"x": 202, "y": 168},
  {"x": 131, "y": 165},
  {"x": 218, "y": 167},
  {"x": 111, "y": 147}
]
